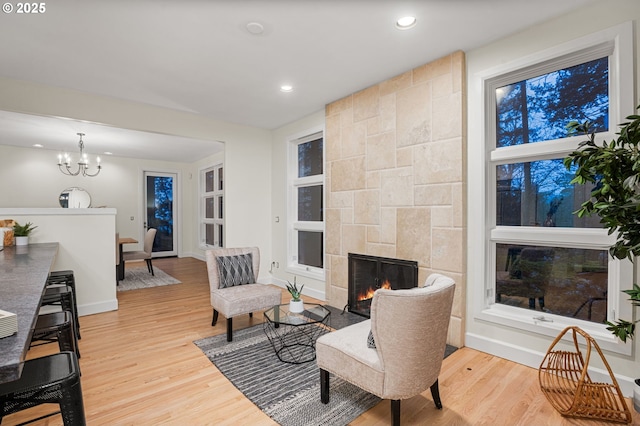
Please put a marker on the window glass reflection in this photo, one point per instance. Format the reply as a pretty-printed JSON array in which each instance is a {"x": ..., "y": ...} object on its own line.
[
  {"x": 310, "y": 158},
  {"x": 564, "y": 281},
  {"x": 539, "y": 193},
  {"x": 310, "y": 203},
  {"x": 310, "y": 248}
]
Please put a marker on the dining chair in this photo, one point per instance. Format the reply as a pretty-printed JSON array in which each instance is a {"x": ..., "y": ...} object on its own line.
[{"x": 145, "y": 254}]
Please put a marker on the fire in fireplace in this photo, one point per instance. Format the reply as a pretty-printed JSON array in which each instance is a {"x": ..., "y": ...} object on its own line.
[{"x": 369, "y": 273}]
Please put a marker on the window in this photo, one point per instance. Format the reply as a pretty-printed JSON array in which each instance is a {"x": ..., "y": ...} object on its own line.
[
  {"x": 546, "y": 268},
  {"x": 212, "y": 211},
  {"x": 306, "y": 200}
]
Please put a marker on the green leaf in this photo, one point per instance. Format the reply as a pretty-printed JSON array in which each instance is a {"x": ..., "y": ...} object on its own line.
[{"x": 622, "y": 329}]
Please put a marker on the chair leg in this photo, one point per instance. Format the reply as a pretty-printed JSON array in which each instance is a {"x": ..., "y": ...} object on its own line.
[
  {"x": 435, "y": 393},
  {"x": 215, "y": 318},
  {"x": 229, "y": 329},
  {"x": 150, "y": 266},
  {"x": 395, "y": 412},
  {"x": 324, "y": 386},
  {"x": 72, "y": 404}
]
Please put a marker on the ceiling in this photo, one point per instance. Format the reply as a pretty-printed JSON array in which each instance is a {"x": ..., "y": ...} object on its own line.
[{"x": 198, "y": 56}]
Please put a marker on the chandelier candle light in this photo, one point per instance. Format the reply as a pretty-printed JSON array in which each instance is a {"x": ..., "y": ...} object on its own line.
[{"x": 83, "y": 162}]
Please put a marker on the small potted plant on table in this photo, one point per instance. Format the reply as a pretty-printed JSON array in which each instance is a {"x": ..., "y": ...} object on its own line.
[
  {"x": 21, "y": 233},
  {"x": 295, "y": 305}
]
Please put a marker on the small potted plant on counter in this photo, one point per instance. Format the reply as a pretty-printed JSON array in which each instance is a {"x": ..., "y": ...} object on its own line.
[
  {"x": 295, "y": 305},
  {"x": 21, "y": 233}
]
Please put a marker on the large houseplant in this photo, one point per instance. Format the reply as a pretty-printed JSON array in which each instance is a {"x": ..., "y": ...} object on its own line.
[{"x": 614, "y": 168}]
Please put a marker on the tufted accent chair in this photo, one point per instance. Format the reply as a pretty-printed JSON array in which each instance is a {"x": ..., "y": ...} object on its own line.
[
  {"x": 410, "y": 331},
  {"x": 238, "y": 299}
]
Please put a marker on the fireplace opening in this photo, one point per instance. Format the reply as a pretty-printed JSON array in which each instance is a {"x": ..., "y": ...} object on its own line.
[{"x": 369, "y": 273}]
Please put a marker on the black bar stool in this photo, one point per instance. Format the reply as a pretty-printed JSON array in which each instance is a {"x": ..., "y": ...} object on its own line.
[
  {"x": 56, "y": 327},
  {"x": 52, "y": 379},
  {"x": 64, "y": 297},
  {"x": 66, "y": 277},
  {"x": 62, "y": 277}
]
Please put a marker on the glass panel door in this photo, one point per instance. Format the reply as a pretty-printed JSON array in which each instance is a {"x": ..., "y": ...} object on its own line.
[{"x": 160, "y": 211}]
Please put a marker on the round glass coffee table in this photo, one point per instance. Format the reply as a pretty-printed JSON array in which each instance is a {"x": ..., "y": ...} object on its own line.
[{"x": 293, "y": 335}]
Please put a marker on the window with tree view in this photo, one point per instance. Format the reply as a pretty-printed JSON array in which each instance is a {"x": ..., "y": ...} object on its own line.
[
  {"x": 307, "y": 201},
  {"x": 534, "y": 189}
]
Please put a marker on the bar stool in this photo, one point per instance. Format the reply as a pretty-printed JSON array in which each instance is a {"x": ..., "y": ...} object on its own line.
[
  {"x": 52, "y": 379},
  {"x": 66, "y": 277},
  {"x": 64, "y": 297},
  {"x": 62, "y": 277},
  {"x": 56, "y": 327}
]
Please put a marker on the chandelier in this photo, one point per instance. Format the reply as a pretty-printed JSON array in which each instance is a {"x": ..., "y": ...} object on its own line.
[{"x": 83, "y": 162}]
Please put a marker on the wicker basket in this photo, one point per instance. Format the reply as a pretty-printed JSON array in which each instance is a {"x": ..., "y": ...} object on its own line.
[{"x": 565, "y": 381}]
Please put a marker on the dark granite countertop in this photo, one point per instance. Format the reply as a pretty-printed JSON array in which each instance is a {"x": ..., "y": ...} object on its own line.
[{"x": 23, "y": 275}]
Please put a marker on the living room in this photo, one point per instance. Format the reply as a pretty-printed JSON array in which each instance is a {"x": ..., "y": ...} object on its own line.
[{"x": 255, "y": 177}]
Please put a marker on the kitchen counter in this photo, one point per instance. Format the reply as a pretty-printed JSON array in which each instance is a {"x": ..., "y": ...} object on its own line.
[{"x": 23, "y": 276}]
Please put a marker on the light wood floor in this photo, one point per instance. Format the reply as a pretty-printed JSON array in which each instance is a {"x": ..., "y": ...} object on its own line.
[{"x": 139, "y": 367}]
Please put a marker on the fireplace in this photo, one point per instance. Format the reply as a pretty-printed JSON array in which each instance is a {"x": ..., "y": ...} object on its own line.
[{"x": 369, "y": 273}]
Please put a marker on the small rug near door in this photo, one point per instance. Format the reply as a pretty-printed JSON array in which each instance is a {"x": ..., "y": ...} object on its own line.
[
  {"x": 288, "y": 393},
  {"x": 135, "y": 278}
]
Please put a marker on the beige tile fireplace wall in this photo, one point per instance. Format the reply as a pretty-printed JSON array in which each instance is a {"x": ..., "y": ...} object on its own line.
[{"x": 395, "y": 178}]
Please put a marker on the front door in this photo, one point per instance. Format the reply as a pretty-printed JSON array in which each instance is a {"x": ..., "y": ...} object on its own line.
[{"x": 159, "y": 190}]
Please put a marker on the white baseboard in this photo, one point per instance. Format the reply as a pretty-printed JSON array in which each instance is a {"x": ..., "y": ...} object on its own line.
[
  {"x": 533, "y": 359},
  {"x": 198, "y": 256},
  {"x": 96, "y": 308}
]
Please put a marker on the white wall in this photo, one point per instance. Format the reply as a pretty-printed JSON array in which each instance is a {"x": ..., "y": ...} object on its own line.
[
  {"x": 87, "y": 246},
  {"x": 280, "y": 237},
  {"x": 38, "y": 183},
  {"x": 504, "y": 341},
  {"x": 247, "y": 162}
]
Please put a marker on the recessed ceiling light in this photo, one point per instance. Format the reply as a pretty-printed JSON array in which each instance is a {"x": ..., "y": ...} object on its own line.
[
  {"x": 255, "y": 28},
  {"x": 38, "y": 145},
  {"x": 108, "y": 153},
  {"x": 286, "y": 88},
  {"x": 406, "y": 22}
]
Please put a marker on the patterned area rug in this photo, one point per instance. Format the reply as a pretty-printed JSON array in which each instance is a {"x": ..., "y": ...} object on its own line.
[
  {"x": 135, "y": 278},
  {"x": 288, "y": 393}
]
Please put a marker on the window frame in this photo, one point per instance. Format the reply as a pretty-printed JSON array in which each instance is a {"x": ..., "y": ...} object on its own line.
[
  {"x": 616, "y": 43},
  {"x": 203, "y": 221},
  {"x": 293, "y": 183}
]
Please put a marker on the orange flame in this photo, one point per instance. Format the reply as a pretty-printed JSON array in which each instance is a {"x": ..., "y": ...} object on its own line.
[{"x": 368, "y": 293}]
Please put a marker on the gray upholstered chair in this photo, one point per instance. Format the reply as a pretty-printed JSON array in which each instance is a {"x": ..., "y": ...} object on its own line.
[
  {"x": 146, "y": 253},
  {"x": 232, "y": 281},
  {"x": 409, "y": 332}
]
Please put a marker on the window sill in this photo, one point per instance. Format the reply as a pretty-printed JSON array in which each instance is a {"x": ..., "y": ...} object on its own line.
[
  {"x": 306, "y": 271},
  {"x": 551, "y": 325}
]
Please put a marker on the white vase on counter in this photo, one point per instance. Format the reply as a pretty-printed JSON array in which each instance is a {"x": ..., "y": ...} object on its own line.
[{"x": 22, "y": 241}]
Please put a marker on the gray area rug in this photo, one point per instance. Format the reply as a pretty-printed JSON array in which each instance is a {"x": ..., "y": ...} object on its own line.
[
  {"x": 136, "y": 278},
  {"x": 288, "y": 393}
]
